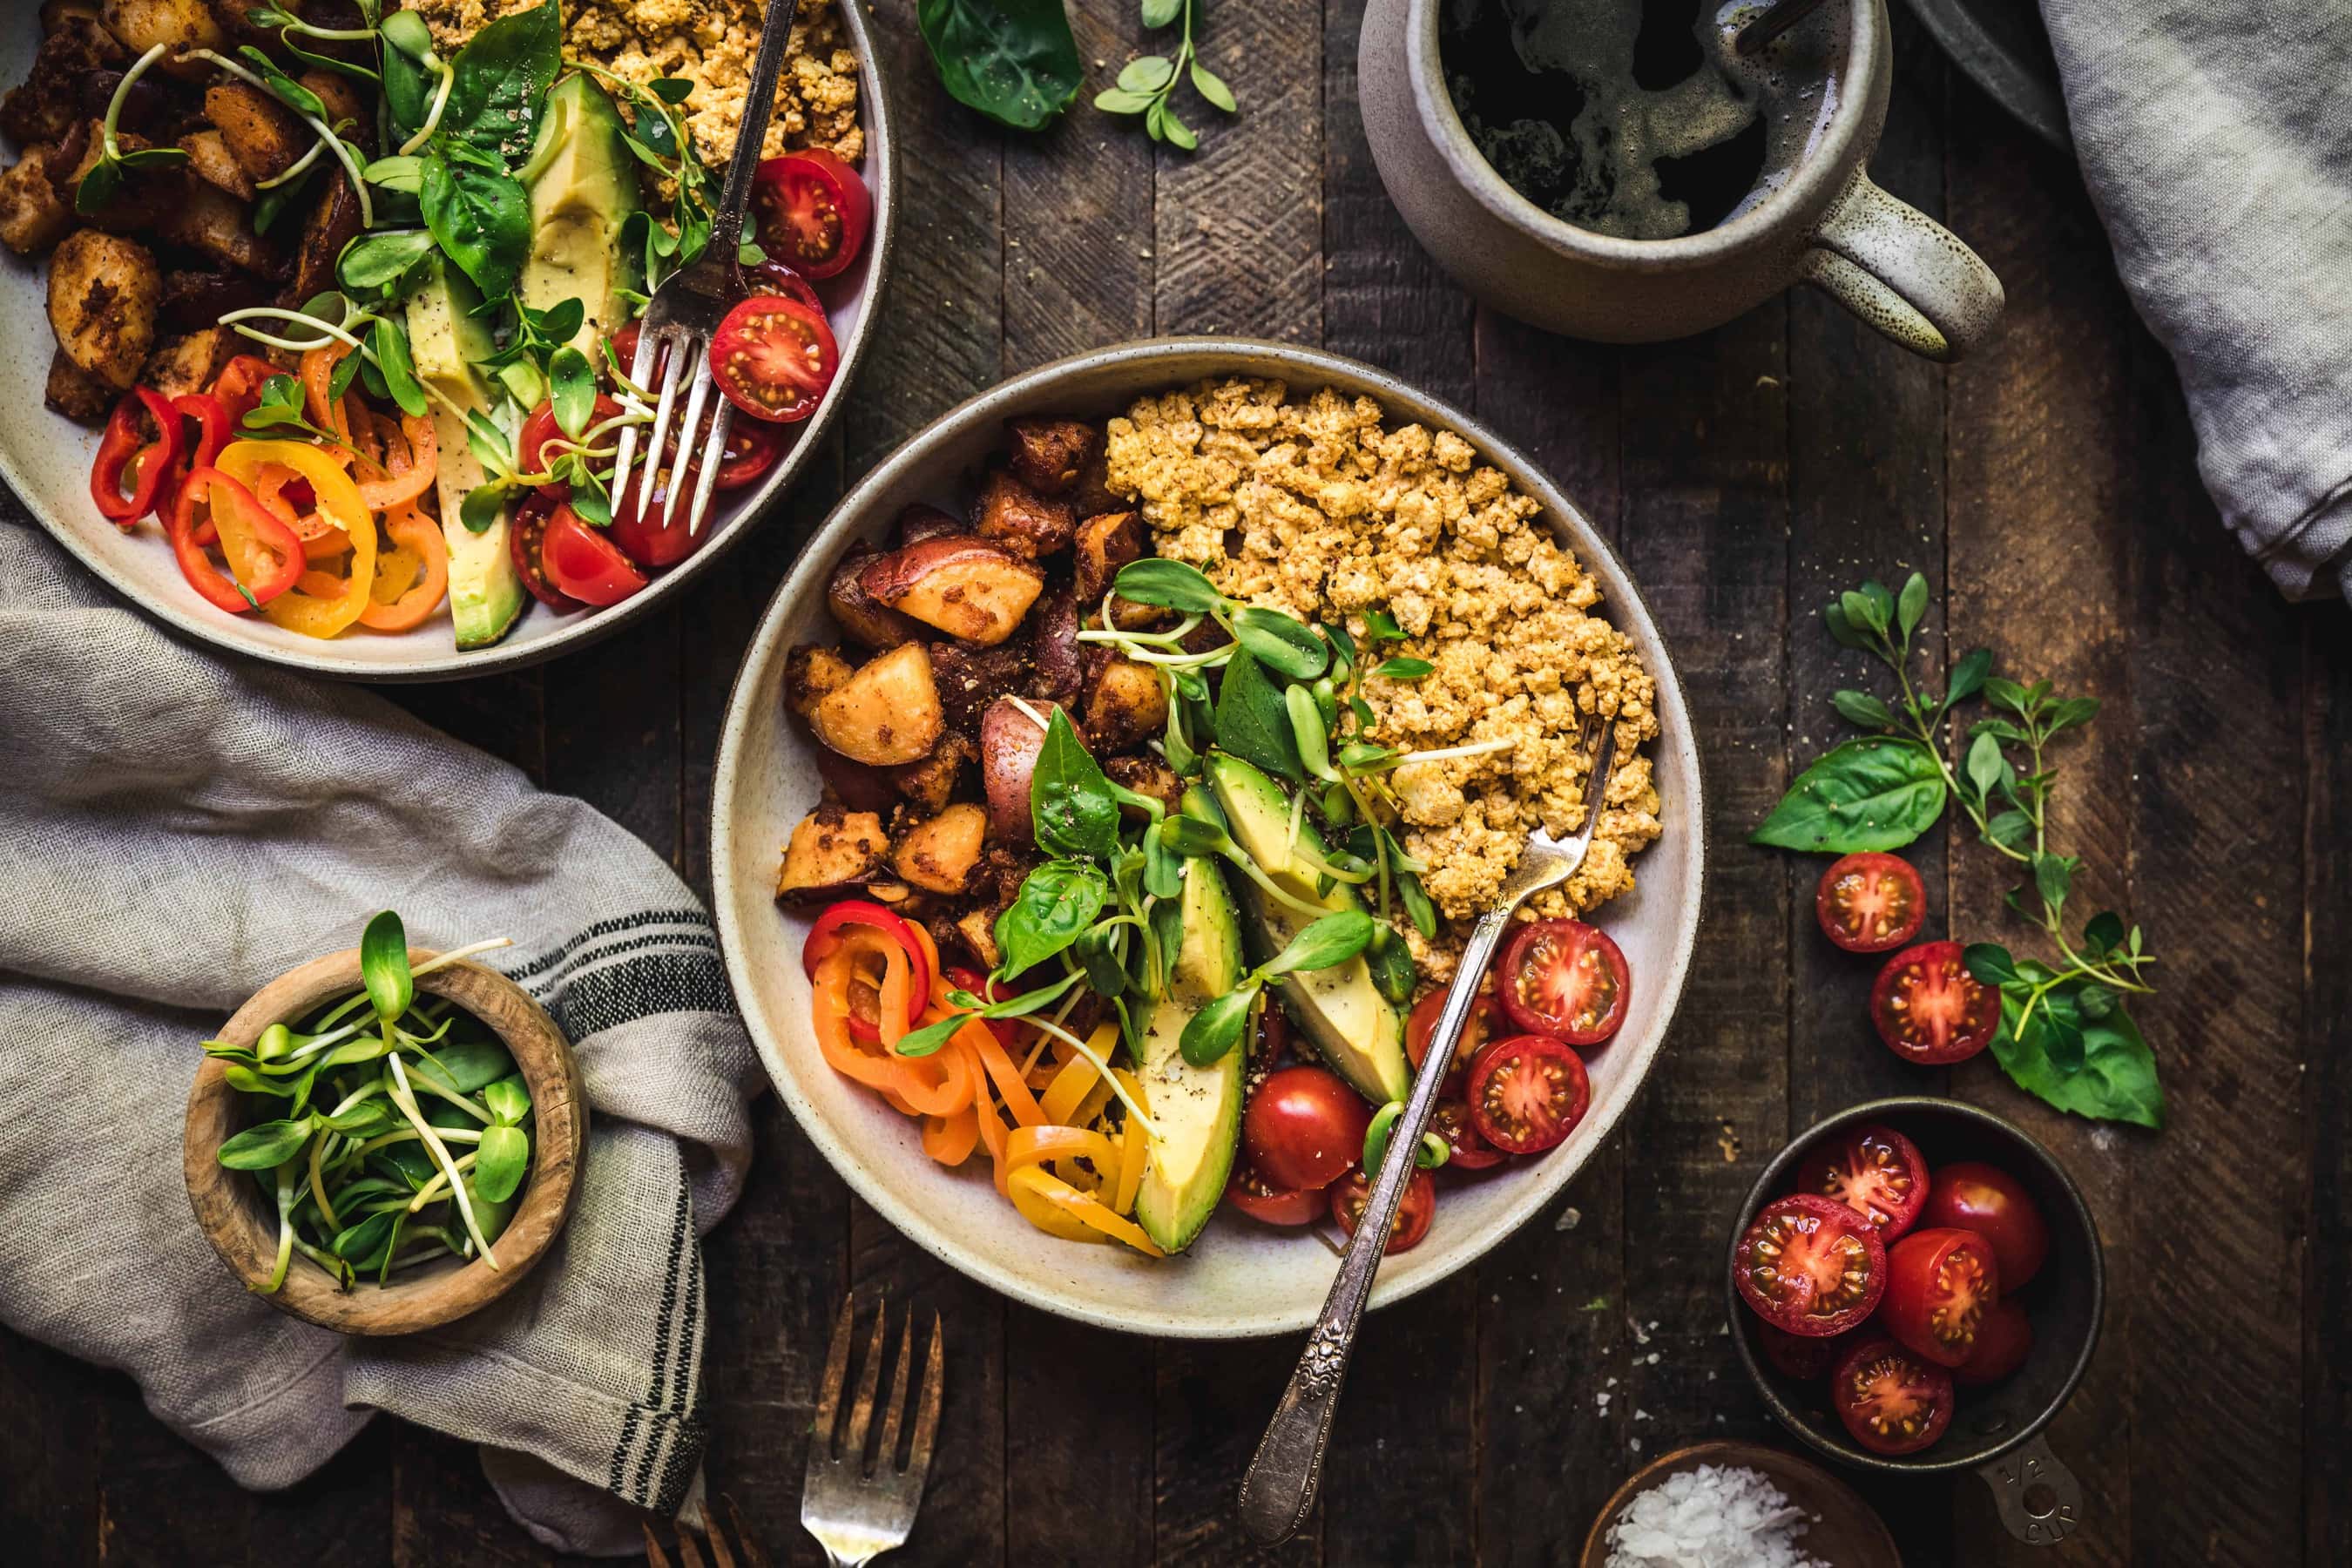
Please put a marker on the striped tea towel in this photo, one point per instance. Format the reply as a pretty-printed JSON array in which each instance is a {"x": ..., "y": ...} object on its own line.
[{"x": 176, "y": 828}]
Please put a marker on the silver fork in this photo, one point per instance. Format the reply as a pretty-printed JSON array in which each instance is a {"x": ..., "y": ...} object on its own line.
[
  {"x": 856, "y": 1509},
  {"x": 1279, "y": 1486},
  {"x": 686, "y": 310}
]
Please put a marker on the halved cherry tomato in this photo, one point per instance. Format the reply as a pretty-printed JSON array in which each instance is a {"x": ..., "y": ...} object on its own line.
[
  {"x": 1415, "y": 1210},
  {"x": 1890, "y": 1401},
  {"x": 1528, "y": 1093},
  {"x": 774, "y": 357},
  {"x": 1257, "y": 1198},
  {"x": 1940, "y": 1283},
  {"x": 625, "y": 352},
  {"x": 238, "y": 385},
  {"x": 582, "y": 563},
  {"x": 526, "y": 531},
  {"x": 1797, "y": 1356},
  {"x": 1451, "y": 1121},
  {"x": 812, "y": 210},
  {"x": 1929, "y": 1009},
  {"x": 541, "y": 427},
  {"x": 1810, "y": 1265},
  {"x": 2004, "y": 1340},
  {"x": 1870, "y": 903},
  {"x": 752, "y": 448},
  {"x": 1477, "y": 1030},
  {"x": 1304, "y": 1128},
  {"x": 773, "y": 276},
  {"x": 650, "y": 536},
  {"x": 1875, "y": 1171},
  {"x": 1565, "y": 979},
  {"x": 1972, "y": 1196}
]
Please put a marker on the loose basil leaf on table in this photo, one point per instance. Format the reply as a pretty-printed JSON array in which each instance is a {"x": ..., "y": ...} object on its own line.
[
  {"x": 1863, "y": 795},
  {"x": 1013, "y": 60},
  {"x": 2115, "y": 1081}
]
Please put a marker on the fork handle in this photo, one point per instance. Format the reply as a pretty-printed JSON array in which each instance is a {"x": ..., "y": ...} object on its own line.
[
  {"x": 1279, "y": 1486},
  {"x": 752, "y": 131}
]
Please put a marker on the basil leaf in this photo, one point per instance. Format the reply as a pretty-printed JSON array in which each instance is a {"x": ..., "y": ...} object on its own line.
[
  {"x": 503, "y": 75},
  {"x": 500, "y": 1161},
  {"x": 2053, "y": 876},
  {"x": 1253, "y": 721},
  {"x": 1863, "y": 710},
  {"x": 1057, "y": 900},
  {"x": 1211, "y": 87},
  {"x": 1969, "y": 676},
  {"x": 1912, "y": 605},
  {"x": 266, "y": 1145},
  {"x": 1281, "y": 643},
  {"x": 481, "y": 218},
  {"x": 1013, "y": 60},
  {"x": 2118, "y": 1078},
  {"x": 1325, "y": 944},
  {"x": 1217, "y": 1027},
  {"x": 671, "y": 90},
  {"x": 1991, "y": 963},
  {"x": 2103, "y": 934},
  {"x": 384, "y": 966},
  {"x": 1984, "y": 764},
  {"x": 1071, "y": 807},
  {"x": 1863, "y": 794}
]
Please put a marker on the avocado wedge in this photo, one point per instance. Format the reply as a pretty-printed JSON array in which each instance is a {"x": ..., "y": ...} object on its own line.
[
  {"x": 583, "y": 181},
  {"x": 1359, "y": 1033},
  {"x": 1196, "y": 1112},
  {"x": 446, "y": 336}
]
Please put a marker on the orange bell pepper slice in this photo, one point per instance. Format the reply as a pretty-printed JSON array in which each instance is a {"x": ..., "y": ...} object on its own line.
[
  {"x": 422, "y": 557},
  {"x": 307, "y": 609}
]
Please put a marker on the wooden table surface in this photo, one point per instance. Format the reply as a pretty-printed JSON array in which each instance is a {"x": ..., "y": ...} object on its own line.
[{"x": 2046, "y": 488}]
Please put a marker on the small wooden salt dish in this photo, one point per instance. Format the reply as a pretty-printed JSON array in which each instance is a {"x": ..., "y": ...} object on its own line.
[
  {"x": 243, "y": 1228},
  {"x": 1840, "y": 1529}
]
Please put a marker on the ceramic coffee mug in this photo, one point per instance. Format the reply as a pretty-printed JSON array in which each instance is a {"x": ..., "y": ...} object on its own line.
[{"x": 1826, "y": 224}]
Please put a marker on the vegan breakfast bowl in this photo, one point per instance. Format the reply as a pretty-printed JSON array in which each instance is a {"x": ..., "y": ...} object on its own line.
[
  {"x": 330, "y": 311},
  {"x": 1101, "y": 799}
]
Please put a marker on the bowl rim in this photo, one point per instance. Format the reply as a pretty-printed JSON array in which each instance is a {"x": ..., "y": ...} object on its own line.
[
  {"x": 1888, "y": 1108},
  {"x": 1733, "y": 1452},
  {"x": 234, "y": 1224},
  {"x": 881, "y": 172},
  {"x": 1295, "y": 363}
]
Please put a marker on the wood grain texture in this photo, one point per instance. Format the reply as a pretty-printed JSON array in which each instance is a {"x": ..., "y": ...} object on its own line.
[{"x": 2327, "y": 1085}]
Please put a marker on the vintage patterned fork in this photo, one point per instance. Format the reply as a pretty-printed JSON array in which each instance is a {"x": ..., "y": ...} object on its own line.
[
  {"x": 685, "y": 312},
  {"x": 856, "y": 1509},
  {"x": 1279, "y": 1486}
]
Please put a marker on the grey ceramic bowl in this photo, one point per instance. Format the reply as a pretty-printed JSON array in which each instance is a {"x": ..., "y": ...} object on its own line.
[
  {"x": 45, "y": 459},
  {"x": 1239, "y": 1280}
]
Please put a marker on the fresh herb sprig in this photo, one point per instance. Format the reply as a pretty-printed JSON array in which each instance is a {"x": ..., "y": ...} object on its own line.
[
  {"x": 379, "y": 1090},
  {"x": 104, "y": 178},
  {"x": 1147, "y": 84},
  {"x": 2065, "y": 1035}
]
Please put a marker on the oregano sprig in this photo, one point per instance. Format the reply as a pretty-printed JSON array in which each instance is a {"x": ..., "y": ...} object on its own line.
[{"x": 1147, "y": 82}]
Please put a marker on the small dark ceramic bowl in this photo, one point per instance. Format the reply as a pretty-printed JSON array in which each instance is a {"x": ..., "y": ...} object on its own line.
[{"x": 1993, "y": 1430}]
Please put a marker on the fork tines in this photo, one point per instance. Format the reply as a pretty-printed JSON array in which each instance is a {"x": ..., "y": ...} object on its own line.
[
  {"x": 835, "y": 1443},
  {"x": 673, "y": 345}
]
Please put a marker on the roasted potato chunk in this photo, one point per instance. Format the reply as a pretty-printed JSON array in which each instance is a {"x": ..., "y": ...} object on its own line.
[
  {"x": 264, "y": 136},
  {"x": 48, "y": 104},
  {"x": 858, "y": 612},
  {"x": 1127, "y": 705},
  {"x": 939, "y": 853},
  {"x": 220, "y": 226},
  {"x": 1146, "y": 776},
  {"x": 931, "y": 784},
  {"x": 74, "y": 393},
  {"x": 1047, "y": 454},
  {"x": 1011, "y": 515},
  {"x": 56, "y": 14},
  {"x": 1105, "y": 544},
  {"x": 333, "y": 224},
  {"x": 32, "y": 216},
  {"x": 193, "y": 300},
  {"x": 970, "y": 679},
  {"x": 856, "y": 786},
  {"x": 832, "y": 850},
  {"x": 919, "y": 523},
  {"x": 210, "y": 160},
  {"x": 1011, "y": 737},
  {"x": 966, "y": 587},
  {"x": 190, "y": 362},
  {"x": 1061, "y": 669},
  {"x": 103, "y": 295},
  {"x": 180, "y": 24},
  {"x": 343, "y": 106},
  {"x": 811, "y": 675},
  {"x": 886, "y": 713},
  {"x": 977, "y": 931}
]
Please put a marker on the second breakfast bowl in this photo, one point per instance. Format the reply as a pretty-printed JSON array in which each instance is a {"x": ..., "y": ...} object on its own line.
[{"x": 1239, "y": 1278}]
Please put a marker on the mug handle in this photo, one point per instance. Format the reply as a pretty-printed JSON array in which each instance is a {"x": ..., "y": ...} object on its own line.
[{"x": 1904, "y": 273}]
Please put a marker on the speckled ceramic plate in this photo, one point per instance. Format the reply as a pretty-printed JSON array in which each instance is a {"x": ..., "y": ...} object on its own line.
[
  {"x": 1239, "y": 1280},
  {"x": 45, "y": 459}
]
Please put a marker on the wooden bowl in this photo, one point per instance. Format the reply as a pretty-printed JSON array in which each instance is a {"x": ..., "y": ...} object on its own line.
[
  {"x": 243, "y": 1228},
  {"x": 1845, "y": 1533}
]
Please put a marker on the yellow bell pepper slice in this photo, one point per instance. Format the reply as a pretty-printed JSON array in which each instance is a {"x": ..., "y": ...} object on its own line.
[
  {"x": 315, "y": 614},
  {"x": 1053, "y": 1205}
]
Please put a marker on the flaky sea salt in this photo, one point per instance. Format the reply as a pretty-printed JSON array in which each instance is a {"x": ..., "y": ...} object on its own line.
[{"x": 1718, "y": 1516}]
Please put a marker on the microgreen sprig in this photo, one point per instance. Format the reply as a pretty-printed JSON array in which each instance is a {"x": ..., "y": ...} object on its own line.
[{"x": 104, "y": 178}]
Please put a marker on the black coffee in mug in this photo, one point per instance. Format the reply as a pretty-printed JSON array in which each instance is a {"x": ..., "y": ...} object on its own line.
[{"x": 1638, "y": 117}]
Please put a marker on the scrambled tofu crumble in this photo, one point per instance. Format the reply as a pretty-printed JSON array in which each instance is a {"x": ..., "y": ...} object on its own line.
[
  {"x": 711, "y": 43},
  {"x": 1316, "y": 507}
]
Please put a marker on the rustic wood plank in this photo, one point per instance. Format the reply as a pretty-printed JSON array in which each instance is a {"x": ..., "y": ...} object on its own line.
[
  {"x": 1076, "y": 1403},
  {"x": 442, "y": 1509},
  {"x": 504, "y": 714},
  {"x": 1213, "y": 1398},
  {"x": 613, "y": 737},
  {"x": 49, "y": 1507},
  {"x": 1238, "y": 226},
  {"x": 1706, "y": 474},
  {"x": 2327, "y": 1007}
]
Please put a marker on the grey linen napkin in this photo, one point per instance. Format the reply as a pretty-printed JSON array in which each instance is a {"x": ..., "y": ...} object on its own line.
[
  {"x": 177, "y": 828},
  {"x": 2215, "y": 142}
]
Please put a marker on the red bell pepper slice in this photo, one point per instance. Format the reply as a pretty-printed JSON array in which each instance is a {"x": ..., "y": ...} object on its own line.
[
  {"x": 213, "y": 431},
  {"x": 208, "y": 485},
  {"x": 825, "y": 936},
  {"x": 125, "y": 447}
]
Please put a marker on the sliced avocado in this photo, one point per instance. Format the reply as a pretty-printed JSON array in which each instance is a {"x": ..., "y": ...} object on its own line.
[
  {"x": 445, "y": 337},
  {"x": 1196, "y": 1112},
  {"x": 583, "y": 181},
  {"x": 1359, "y": 1033}
]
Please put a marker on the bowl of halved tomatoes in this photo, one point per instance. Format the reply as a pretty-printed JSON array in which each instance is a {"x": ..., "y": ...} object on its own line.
[{"x": 1915, "y": 1285}]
